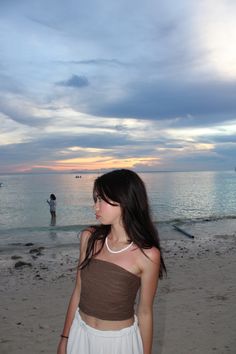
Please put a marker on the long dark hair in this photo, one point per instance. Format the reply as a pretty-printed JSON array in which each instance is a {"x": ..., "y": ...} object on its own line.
[{"x": 127, "y": 189}]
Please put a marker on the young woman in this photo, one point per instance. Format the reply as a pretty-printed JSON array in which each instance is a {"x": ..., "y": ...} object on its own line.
[
  {"x": 52, "y": 204},
  {"x": 118, "y": 258}
]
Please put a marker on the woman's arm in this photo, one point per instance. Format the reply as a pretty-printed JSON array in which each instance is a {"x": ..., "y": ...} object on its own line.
[
  {"x": 74, "y": 300},
  {"x": 150, "y": 267},
  {"x": 72, "y": 307}
]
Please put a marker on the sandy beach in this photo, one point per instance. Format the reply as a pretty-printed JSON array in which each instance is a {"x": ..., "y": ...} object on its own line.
[{"x": 195, "y": 307}]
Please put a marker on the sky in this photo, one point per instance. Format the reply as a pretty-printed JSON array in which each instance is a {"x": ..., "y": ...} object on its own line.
[{"x": 102, "y": 84}]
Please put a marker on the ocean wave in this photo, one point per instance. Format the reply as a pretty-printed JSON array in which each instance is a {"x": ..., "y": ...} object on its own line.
[
  {"x": 79, "y": 227},
  {"x": 59, "y": 228},
  {"x": 195, "y": 220}
]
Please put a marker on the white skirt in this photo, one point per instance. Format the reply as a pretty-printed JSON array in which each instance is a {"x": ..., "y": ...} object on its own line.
[{"x": 84, "y": 339}]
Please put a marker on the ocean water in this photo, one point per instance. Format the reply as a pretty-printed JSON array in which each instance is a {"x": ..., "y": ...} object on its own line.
[{"x": 175, "y": 197}]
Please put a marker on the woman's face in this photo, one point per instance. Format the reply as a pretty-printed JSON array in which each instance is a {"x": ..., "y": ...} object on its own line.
[{"x": 106, "y": 213}]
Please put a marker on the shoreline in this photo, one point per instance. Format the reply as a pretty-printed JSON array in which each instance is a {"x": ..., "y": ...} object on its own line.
[
  {"x": 54, "y": 236},
  {"x": 194, "y": 310}
]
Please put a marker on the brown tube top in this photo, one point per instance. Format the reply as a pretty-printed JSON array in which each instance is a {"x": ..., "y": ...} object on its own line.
[{"x": 108, "y": 291}]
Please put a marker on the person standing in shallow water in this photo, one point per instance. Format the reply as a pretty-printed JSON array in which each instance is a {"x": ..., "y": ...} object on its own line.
[
  {"x": 52, "y": 205},
  {"x": 119, "y": 257}
]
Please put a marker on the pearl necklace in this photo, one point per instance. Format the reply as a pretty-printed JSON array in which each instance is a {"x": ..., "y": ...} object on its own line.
[{"x": 122, "y": 250}]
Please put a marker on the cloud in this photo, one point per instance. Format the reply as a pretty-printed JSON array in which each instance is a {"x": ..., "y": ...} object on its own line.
[
  {"x": 61, "y": 145},
  {"x": 77, "y": 81},
  {"x": 204, "y": 102},
  {"x": 74, "y": 81},
  {"x": 221, "y": 139},
  {"x": 19, "y": 110},
  {"x": 96, "y": 62}
]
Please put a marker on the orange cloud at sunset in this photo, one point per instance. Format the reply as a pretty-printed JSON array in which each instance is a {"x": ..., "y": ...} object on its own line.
[{"x": 96, "y": 163}]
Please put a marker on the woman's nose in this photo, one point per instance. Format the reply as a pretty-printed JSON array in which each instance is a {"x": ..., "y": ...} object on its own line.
[{"x": 96, "y": 206}]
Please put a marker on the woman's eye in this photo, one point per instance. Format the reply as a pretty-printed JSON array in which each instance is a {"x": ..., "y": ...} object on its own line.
[{"x": 97, "y": 199}]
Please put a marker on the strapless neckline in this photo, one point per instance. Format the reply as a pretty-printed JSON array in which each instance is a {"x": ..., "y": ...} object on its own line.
[{"x": 116, "y": 266}]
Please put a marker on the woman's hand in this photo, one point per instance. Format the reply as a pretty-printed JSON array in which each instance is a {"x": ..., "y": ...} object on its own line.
[{"x": 61, "y": 349}]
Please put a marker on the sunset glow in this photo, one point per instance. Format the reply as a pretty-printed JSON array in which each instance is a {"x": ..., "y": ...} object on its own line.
[
  {"x": 147, "y": 97},
  {"x": 97, "y": 163}
]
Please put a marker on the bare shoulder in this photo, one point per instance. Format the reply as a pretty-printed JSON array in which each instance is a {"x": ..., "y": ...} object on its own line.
[
  {"x": 84, "y": 237},
  {"x": 153, "y": 254},
  {"x": 150, "y": 259},
  {"x": 86, "y": 233}
]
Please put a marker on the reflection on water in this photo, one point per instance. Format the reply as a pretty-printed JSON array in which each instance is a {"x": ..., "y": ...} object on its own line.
[
  {"x": 53, "y": 221},
  {"x": 173, "y": 195},
  {"x": 53, "y": 235},
  {"x": 191, "y": 195}
]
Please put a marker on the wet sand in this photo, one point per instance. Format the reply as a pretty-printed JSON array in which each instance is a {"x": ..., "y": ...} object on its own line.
[{"x": 194, "y": 308}]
